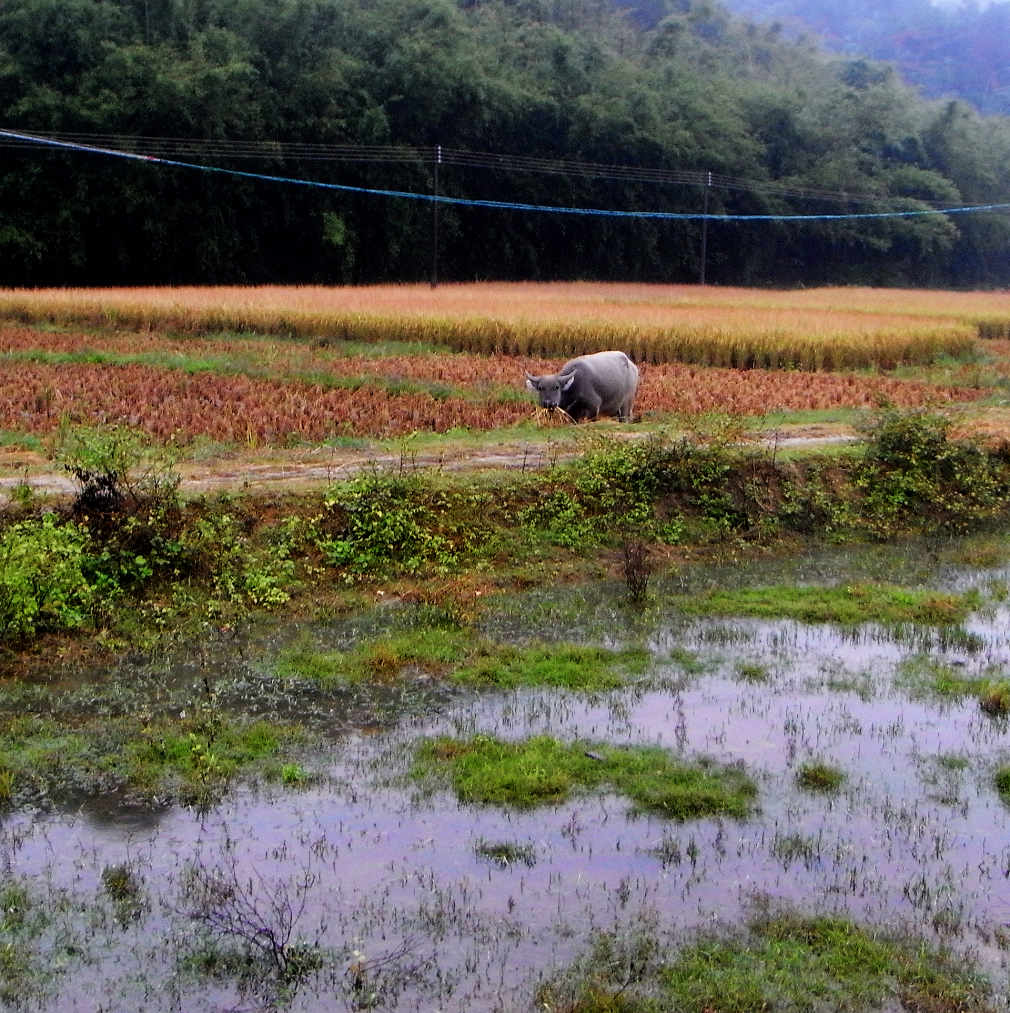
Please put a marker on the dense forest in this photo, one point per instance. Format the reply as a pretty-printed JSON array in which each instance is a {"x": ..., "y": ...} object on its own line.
[
  {"x": 960, "y": 50},
  {"x": 573, "y": 103}
]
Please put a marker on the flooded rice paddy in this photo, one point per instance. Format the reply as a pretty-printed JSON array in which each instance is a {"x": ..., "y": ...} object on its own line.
[{"x": 397, "y": 897}]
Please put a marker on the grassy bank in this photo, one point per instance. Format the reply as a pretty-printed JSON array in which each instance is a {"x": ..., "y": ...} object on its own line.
[{"x": 126, "y": 557}]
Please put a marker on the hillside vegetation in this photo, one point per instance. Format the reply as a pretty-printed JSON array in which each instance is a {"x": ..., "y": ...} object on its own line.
[
  {"x": 960, "y": 49},
  {"x": 783, "y": 128}
]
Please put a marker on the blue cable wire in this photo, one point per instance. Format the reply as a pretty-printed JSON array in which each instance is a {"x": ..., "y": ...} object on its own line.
[{"x": 500, "y": 205}]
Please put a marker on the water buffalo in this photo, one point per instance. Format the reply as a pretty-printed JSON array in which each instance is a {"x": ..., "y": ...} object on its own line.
[{"x": 591, "y": 385}]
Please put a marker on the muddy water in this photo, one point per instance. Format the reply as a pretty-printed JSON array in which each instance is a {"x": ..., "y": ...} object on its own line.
[{"x": 917, "y": 838}]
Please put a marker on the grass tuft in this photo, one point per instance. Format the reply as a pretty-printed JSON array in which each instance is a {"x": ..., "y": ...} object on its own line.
[
  {"x": 541, "y": 770},
  {"x": 848, "y": 604},
  {"x": 792, "y": 962},
  {"x": 818, "y": 776},
  {"x": 506, "y": 853}
]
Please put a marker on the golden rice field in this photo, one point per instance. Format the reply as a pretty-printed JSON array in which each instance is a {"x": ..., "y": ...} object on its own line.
[
  {"x": 821, "y": 329},
  {"x": 263, "y": 391}
]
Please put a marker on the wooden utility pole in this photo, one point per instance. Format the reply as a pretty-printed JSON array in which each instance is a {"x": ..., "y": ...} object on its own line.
[
  {"x": 704, "y": 229},
  {"x": 434, "y": 220}
]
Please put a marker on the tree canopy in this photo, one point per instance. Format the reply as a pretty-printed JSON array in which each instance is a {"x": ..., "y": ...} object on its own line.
[{"x": 361, "y": 92}]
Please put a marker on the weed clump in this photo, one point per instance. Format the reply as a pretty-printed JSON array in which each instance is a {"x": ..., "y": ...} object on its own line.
[
  {"x": 126, "y": 890},
  {"x": 1002, "y": 782},
  {"x": 506, "y": 853},
  {"x": 748, "y": 671},
  {"x": 637, "y": 568},
  {"x": 995, "y": 698},
  {"x": 819, "y": 776}
]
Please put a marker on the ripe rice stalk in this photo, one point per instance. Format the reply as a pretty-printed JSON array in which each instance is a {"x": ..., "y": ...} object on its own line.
[
  {"x": 551, "y": 417},
  {"x": 736, "y": 328}
]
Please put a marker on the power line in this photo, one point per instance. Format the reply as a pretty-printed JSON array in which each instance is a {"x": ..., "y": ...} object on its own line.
[
  {"x": 499, "y": 205},
  {"x": 211, "y": 148}
]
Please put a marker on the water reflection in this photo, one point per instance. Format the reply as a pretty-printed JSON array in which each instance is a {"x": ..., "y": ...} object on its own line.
[{"x": 916, "y": 837}]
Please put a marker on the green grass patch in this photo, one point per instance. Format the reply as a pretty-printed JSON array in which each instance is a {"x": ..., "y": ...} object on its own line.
[
  {"x": 25, "y": 441},
  {"x": 953, "y": 762},
  {"x": 198, "y": 757},
  {"x": 192, "y": 759},
  {"x": 819, "y": 776},
  {"x": 847, "y": 604},
  {"x": 690, "y": 662},
  {"x": 542, "y": 771},
  {"x": 434, "y": 650},
  {"x": 564, "y": 666},
  {"x": 925, "y": 675},
  {"x": 463, "y": 656},
  {"x": 795, "y": 963}
]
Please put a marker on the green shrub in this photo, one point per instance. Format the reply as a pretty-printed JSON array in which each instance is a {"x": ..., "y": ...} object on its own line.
[
  {"x": 612, "y": 490},
  {"x": 380, "y": 524},
  {"x": 914, "y": 475},
  {"x": 43, "y": 585},
  {"x": 218, "y": 548},
  {"x": 119, "y": 473},
  {"x": 128, "y": 499}
]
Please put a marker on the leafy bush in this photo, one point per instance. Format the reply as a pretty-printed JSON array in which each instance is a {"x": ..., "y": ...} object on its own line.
[
  {"x": 379, "y": 523},
  {"x": 610, "y": 490},
  {"x": 118, "y": 471},
  {"x": 216, "y": 547},
  {"x": 128, "y": 499},
  {"x": 914, "y": 474},
  {"x": 43, "y": 585}
]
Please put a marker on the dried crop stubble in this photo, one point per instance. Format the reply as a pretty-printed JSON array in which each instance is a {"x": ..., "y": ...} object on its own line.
[
  {"x": 278, "y": 358},
  {"x": 237, "y": 408},
  {"x": 692, "y": 390},
  {"x": 171, "y": 404},
  {"x": 665, "y": 388}
]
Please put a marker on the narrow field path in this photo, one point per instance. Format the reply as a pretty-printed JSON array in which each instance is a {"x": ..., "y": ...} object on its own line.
[{"x": 297, "y": 470}]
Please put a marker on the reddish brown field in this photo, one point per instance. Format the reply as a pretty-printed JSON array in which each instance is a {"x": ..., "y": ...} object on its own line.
[{"x": 273, "y": 406}]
